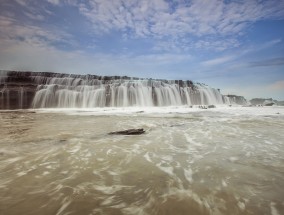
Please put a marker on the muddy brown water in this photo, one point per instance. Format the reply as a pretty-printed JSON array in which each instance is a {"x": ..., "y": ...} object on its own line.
[{"x": 198, "y": 163}]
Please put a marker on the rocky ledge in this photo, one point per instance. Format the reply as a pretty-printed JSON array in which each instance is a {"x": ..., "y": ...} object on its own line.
[{"x": 18, "y": 88}]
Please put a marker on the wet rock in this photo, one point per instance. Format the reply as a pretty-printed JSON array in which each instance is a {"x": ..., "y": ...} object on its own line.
[
  {"x": 129, "y": 132},
  {"x": 175, "y": 125},
  {"x": 62, "y": 140},
  {"x": 211, "y": 106}
]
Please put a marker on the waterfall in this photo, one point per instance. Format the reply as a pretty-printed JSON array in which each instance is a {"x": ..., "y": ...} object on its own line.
[
  {"x": 21, "y": 95},
  {"x": 69, "y": 92},
  {"x": 55, "y": 90},
  {"x": 233, "y": 100},
  {"x": 5, "y": 97}
]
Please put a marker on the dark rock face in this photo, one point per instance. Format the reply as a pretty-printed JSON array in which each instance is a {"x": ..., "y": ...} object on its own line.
[
  {"x": 211, "y": 106},
  {"x": 129, "y": 132},
  {"x": 17, "y": 90},
  {"x": 16, "y": 98}
]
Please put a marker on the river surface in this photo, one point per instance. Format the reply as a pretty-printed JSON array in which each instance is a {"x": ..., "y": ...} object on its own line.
[{"x": 217, "y": 161}]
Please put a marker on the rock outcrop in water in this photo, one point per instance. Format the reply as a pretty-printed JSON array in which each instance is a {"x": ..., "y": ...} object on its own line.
[
  {"x": 129, "y": 132},
  {"x": 21, "y": 90}
]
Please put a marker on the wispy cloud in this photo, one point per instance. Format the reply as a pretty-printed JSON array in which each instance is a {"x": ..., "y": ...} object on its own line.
[
  {"x": 177, "y": 25},
  {"x": 55, "y": 2},
  {"x": 217, "y": 61},
  {"x": 244, "y": 52},
  {"x": 21, "y": 55},
  {"x": 162, "y": 59},
  {"x": 22, "y": 2},
  {"x": 12, "y": 31},
  {"x": 32, "y": 16},
  {"x": 180, "y": 20},
  {"x": 218, "y": 45},
  {"x": 164, "y": 18},
  {"x": 267, "y": 62}
]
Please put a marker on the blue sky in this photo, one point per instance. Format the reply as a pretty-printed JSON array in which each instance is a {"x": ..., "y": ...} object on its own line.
[{"x": 234, "y": 45}]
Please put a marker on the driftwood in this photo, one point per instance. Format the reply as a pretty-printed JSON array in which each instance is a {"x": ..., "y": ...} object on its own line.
[{"x": 129, "y": 132}]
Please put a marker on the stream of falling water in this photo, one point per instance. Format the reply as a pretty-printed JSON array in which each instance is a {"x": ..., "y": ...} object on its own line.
[{"x": 202, "y": 162}]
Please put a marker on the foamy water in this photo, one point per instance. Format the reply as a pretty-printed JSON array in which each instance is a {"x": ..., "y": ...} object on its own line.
[{"x": 225, "y": 160}]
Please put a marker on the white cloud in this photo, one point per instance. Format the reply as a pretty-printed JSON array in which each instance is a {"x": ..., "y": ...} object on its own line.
[
  {"x": 20, "y": 55},
  {"x": 175, "y": 25},
  {"x": 161, "y": 58},
  {"x": 22, "y": 2},
  {"x": 32, "y": 16},
  {"x": 11, "y": 32},
  {"x": 6, "y": 21},
  {"x": 179, "y": 20},
  {"x": 270, "y": 43},
  {"x": 254, "y": 49},
  {"x": 215, "y": 44},
  {"x": 159, "y": 18},
  {"x": 217, "y": 61}
]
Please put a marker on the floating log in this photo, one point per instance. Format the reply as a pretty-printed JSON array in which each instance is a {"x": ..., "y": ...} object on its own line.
[{"x": 129, "y": 132}]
